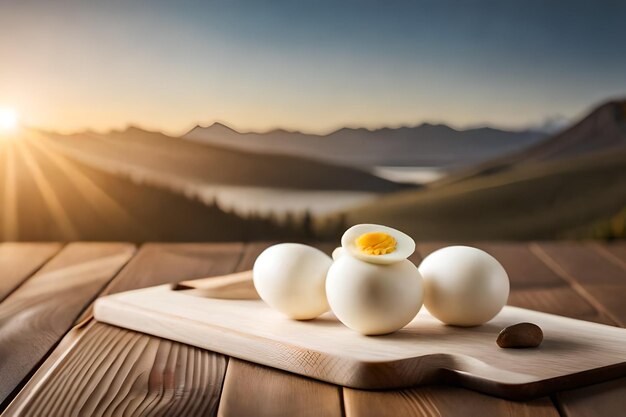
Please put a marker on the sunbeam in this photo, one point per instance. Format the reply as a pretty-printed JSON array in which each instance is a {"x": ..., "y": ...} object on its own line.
[
  {"x": 10, "y": 220},
  {"x": 107, "y": 208},
  {"x": 47, "y": 192}
]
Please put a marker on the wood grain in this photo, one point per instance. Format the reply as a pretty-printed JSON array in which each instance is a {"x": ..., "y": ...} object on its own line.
[
  {"x": 534, "y": 285},
  {"x": 439, "y": 401},
  {"x": 250, "y": 253},
  {"x": 530, "y": 279},
  {"x": 327, "y": 350},
  {"x": 528, "y": 283},
  {"x": 122, "y": 370},
  {"x": 37, "y": 315},
  {"x": 18, "y": 261},
  {"x": 253, "y": 390},
  {"x": 270, "y": 392},
  {"x": 161, "y": 263},
  {"x": 113, "y": 372},
  {"x": 524, "y": 269},
  {"x": 561, "y": 300},
  {"x": 600, "y": 282},
  {"x": 600, "y": 400},
  {"x": 235, "y": 286},
  {"x": 617, "y": 249}
]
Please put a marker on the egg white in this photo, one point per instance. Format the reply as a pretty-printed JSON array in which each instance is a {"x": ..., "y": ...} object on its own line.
[
  {"x": 374, "y": 299},
  {"x": 464, "y": 286},
  {"x": 338, "y": 252},
  {"x": 405, "y": 245},
  {"x": 290, "y": 277}
]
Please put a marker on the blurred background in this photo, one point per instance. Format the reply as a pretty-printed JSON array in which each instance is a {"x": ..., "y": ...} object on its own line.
[{"x": 255, "y": 120}]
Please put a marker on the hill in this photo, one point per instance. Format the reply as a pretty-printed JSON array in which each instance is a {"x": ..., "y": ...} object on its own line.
[
  {"x": 530, "y": 201},
  {"x": 46, "y": 195},
  {"x": 603, "y": 130},
  {"x": 436, "y": 145},
  {"x": 152, "y": 155}
]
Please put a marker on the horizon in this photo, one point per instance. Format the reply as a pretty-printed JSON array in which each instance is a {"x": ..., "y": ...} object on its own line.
[
  {"x": 325, "y": 132},
  {"x": 543, "y": 127},
  {"x": 310, "y": 67}
]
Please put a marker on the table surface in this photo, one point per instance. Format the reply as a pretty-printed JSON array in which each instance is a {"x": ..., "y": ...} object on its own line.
[{"x": 56, "y": 361}]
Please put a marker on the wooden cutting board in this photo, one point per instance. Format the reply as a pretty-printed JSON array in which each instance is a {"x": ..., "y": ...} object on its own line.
[{"x": 574, "y": 353}]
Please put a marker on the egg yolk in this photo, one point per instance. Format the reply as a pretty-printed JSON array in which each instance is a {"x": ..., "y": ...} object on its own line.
[{"x": 376, "y": 243}]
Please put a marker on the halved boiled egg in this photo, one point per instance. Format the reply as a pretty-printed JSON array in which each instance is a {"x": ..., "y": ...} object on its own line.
[{"x": 377, "y": 244}]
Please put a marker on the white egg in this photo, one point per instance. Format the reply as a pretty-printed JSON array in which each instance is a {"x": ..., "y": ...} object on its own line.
[
  {"x": 290, "y": 278},
  {"x": 464, "y": 286},
  {"x": 377, "y": 244},
  {"x": 338, "y": 252},
  {"x": 373, "y": 299}
]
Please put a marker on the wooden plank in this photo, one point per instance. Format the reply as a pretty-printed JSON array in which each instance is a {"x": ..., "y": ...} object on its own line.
[
  {"x": 173, "y": 379},
  {"x": 250, "y": 253},
  {"x": 41, "y": 380},
  {"x": 37, "y": 315},
  {"x": 534, "y": 285},
  {"x": 253, "y": 390},
  {"x": 600, "y": 400},
  {"x": 437, "y": 401},
  {"x": 325, "y": 349},
  {"x": 162, "y": 263},
  {"x": 288, "y": 394},
  {"x": 615, "y": 252},
  {"x": 110, "y": 371},
  {"x": 562, "y": 300},
  {"x": 596, "y": 272},
  {"x": 525, "y": 270},
  {"x": 18, "y": 261},
  {"x": 600, "y": 282}
]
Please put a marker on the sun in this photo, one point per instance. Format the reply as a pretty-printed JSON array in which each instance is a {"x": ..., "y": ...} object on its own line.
[{"x": 8, "y": 120}]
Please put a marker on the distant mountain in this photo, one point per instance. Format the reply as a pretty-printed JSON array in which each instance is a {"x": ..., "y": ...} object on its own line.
[
  {"x": 434, "y": 145},
  {"x": 568, "y": 182},
  {"x": 604, "y": 129},
  {"x": 552, "y": 124},
  {"x": 50, "y": 196},
  {"x": 151, "y": 155}
]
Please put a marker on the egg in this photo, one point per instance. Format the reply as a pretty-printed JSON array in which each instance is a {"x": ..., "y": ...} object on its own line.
[
  {"x": 377, "y": 244},
  {"x": 338, "y": 252},
  {"x": 373, "y": 299},
  {"x": 464, "y": 286},
  {"x": 290, "y": 277}
]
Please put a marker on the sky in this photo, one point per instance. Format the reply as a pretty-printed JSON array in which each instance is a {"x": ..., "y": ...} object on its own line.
[{"x": 307, "y": 65}]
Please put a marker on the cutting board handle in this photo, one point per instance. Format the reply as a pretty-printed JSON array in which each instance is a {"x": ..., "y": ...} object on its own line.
[{"x": 237, "y": 286}]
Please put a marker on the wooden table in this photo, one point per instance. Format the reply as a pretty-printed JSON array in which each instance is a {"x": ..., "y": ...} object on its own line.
[{"x": 56, "y": 361}]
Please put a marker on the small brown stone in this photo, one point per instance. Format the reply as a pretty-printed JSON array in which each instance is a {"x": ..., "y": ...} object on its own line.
[{"x": 521, "y": 335}]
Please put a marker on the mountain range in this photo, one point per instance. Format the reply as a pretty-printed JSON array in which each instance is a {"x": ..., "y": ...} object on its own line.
[
  {"x": 565, "y": 186},
  {"x": 154, "y": 155},
  {"x": 425, "y": 145},
  {"x": 138, "y": 185}
]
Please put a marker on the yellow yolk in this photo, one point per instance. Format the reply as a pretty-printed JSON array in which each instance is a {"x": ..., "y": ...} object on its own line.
[{"x": 376, "y": 243}]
